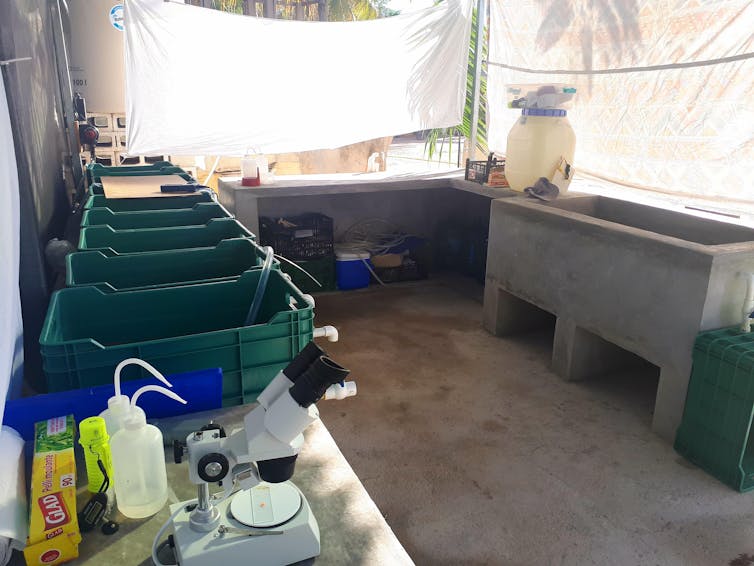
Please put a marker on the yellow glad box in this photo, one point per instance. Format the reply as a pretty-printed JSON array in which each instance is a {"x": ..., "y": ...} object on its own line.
[{"x": 54, "y": 535}]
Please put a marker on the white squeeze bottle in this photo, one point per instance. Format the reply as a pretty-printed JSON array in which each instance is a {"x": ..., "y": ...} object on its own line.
[
  {"x": 118, "y": 406},
  {"x": 141, "y": 481}
]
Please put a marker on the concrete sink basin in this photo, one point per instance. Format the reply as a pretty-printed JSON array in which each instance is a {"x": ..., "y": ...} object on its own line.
[
  {"x": 618, "y": 276},
  {"x": 656, "y": 220}
]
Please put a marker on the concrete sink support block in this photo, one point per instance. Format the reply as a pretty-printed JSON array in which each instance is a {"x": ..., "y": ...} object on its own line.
[{"x": 617, "y": 275}]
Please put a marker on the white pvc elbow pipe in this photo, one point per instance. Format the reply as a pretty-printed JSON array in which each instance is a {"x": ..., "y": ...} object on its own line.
[
  {"x": 338, "y": 391},
  {"x": 329, "y": 332},
  {"x": 748, "y": 305}
]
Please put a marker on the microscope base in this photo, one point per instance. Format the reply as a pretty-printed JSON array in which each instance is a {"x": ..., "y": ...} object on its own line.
[{"x": 234, "y": 543}]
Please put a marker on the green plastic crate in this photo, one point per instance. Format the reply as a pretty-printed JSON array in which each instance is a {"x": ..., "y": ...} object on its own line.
[
  {"x": 715, "y": 432},
  {"x": 114, "y": 272},
  {"x": 95, "y": 171},
  {"x": 323, "y": 270},
  {"x": 148, "y": 203},
  {"x": 200, "y": 213},
  {"x": 155, "y": 239},
  {"x": 87, "y": 332}
]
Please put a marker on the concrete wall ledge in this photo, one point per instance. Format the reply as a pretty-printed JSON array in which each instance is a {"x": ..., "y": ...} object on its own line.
[
  {"x": 417, "y": 202},
  {"x": 321, "y": 185}
]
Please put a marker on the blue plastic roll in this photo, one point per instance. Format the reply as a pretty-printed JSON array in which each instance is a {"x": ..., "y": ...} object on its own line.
[{"x": 201, "y": 389}]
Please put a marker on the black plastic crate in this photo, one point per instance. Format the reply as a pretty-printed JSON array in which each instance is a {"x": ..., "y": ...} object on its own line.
[
  {"x": 479, "y": 171},
  {"x": 308, "y": 236}
]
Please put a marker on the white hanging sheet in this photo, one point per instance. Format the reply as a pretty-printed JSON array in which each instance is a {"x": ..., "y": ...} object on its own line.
[
  {"x": 684, "y": 129},
  {"x": 11, "y": 330},
  {"x": 204, "y": 82}
]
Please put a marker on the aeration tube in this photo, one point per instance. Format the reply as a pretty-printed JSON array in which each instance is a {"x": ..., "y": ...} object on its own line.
[
  {"x": 748, "y": 305},
  {"x": 256, "y": 304}
]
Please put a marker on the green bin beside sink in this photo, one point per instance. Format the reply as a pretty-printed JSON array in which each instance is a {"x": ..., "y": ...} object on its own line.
[
  {"x": 155, "y": 239},
  {"x": 115, "y": 272},
  {"x": 87, "y": 332},
  {"x": 716, "y": 431},
  {"x": 200, "y": 213}
]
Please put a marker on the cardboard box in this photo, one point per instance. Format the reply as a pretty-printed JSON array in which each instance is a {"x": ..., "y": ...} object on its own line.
[{"x": 54, "y": 535}]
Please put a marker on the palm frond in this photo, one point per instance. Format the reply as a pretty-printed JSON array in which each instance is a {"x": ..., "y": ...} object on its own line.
[{"x": 464, "y": 128}]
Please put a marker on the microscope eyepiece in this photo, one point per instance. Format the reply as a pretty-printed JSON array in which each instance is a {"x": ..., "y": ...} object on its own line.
[
  {"x": 303, "y": 360},
  {"x": 312, "y": 384}
]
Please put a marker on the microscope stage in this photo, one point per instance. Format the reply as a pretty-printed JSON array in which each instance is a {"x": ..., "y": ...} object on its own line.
[
  {"x": 266, "y": 505},
  {"x": 234, "y": 543}
]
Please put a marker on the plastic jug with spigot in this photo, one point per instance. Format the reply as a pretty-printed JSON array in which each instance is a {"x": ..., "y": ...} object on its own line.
[{"x": 141, "y": 481}]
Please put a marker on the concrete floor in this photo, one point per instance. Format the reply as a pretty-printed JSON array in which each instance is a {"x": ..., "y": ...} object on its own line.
[{"x": 476, "y": 453}]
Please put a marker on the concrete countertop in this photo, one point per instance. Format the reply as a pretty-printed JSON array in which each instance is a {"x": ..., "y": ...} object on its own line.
[
  {"x": 352, "y": 529},
  {"x": 305, "y": 185}
]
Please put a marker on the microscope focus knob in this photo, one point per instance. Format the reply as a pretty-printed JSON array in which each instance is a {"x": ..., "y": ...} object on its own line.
[
  {"x": 214, "y": 426},
  {"x": 179, "y": 450},
  {"x": 212, "y": 467}
]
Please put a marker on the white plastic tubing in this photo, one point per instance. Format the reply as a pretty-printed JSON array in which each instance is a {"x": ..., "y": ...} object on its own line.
[
  {"x": 136, "y": 361},
  {"x": 748, "y": 305}
]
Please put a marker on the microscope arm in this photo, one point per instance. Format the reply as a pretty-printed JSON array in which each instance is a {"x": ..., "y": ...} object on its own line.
[{"x": 265, "y": 449}]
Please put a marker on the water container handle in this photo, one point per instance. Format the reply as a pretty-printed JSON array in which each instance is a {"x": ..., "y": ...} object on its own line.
[
  {"x": 136, "y": 361},
  {"x": 162, "y": 390}
]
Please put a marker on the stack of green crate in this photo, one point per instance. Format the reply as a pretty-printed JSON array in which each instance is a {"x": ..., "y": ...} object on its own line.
[
  {"x": 715, "y": 432},
  {"x": 169, "y": 280},
  {"x": 179, "y": 328}
]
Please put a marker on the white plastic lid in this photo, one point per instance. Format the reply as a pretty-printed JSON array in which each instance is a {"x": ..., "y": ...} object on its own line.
[
  {"x": 135, "y": 420},
  {"x": 118, "y": 404},
  {"x": 351, "y": 255}
]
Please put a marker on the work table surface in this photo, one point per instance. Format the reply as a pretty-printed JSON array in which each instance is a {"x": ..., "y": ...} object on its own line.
[{"x": 352, "y": 529}]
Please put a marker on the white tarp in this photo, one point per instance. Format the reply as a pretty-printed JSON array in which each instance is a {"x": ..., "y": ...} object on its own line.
[
  {"x": 680, "y": 129},
  {"x": 202, "y": 82},
  {"x": 11, "y": 332}
]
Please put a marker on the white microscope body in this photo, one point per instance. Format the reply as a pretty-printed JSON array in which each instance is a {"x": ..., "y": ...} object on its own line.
[{"x": 262, "y": 518}]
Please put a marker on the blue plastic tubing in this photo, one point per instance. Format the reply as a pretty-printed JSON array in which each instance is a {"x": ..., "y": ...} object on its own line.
[{"x": 256, "y": 304}]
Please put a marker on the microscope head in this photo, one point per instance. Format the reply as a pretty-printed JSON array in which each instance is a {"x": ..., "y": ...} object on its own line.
[
  {"x": 272, "y": 435},
  {"x": 291, "y": 413}
]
